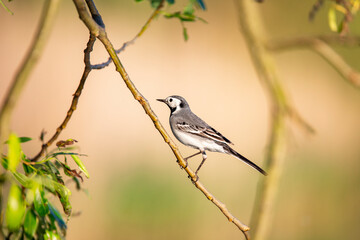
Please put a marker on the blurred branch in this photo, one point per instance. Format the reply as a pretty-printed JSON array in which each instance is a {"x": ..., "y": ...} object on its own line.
[
  {"x": 75, "y": 100},
  {"x": 281, "y": 109},
  {"x": 88, "y": 67},
  {"x": 43, "y": 31},
  {"x": 320, "y": 46},
  {"x": 345, "y": 41},
  {"x": 132, "y": 41},
  {"x": 315, "y": 8},
  {"x": 100, "y": 33},
  {"x": 31, "y": 59}
]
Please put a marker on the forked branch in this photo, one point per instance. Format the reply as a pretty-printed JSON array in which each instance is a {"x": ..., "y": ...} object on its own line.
[
  {"x": 100, "y": 33},
  {"x": 75, "y": 99},
  {"x": 321, "y": 46},
  {"x": 87, "y": 69},
  {"x": 132, "y": 41}
]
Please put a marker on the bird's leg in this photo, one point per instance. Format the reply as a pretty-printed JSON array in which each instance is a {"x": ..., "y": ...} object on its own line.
[
  {"x": 202, "y": 162},
  {"x": 186, "y": 159},
  {"x": 192, "y": 155}
]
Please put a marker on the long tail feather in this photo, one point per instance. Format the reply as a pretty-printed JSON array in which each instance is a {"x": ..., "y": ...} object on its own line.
[{"x": 231, "y": 151}]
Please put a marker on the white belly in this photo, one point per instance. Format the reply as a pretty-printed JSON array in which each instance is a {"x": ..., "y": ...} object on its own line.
[{"x": 197, "y": 142}]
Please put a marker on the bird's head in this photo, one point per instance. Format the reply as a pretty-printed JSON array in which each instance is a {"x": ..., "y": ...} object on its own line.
[{"x": 175, "y": 103}]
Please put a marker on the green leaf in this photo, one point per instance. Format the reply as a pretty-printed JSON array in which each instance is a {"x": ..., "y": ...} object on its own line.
[
  {"x": 47, "y": 182},
  {"x": 64, "y": 195},
  {"x": 155, "y": 3},
  {"x": 15, "y": 209},
  {"x": 186, "y": 36},
  {"x": 182, "y": 17},
  {"x": 77, "y": 183},
  {"x": 23, "y": 180},
  {"x": 25, "y": 139},
  {"x": 28, "y": 169},
  {"x": 30, "y": 224},
  {"x": 14, "y": 152},
  {"x": 332, "y": 20},
  {"x": 63, "y": 192},
  {"x": 189, "y": 10},
  {"x": 53, "y": 171},
  {"x": 63, "y": 153},
  {"x": 21, "y": 139},
  {"x": 52, "y": 168},
  {"x": 6, "y": 8},
  {"x": 49, "y": 235},
  {"x": 40, "y": 202},
  {"x": 5, "y": 163},
  {"x": 81, "y": 165}
]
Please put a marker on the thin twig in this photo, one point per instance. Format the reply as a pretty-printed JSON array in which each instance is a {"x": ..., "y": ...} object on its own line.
[
  {"x": 88, "y": 67},
  {"x": 132, "y": 41},
  {"x": 35, "y": 51},
  {"x": 325, "y": 51},
  {"x": 85, "y": 16},
  {"x": 75, "y": 100},
  {"x": 6, "y": 8}
]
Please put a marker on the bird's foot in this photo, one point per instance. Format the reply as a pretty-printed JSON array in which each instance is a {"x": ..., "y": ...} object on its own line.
[
  {"x": 194, "y": 179},
  {"x": 186, "y": 165}
]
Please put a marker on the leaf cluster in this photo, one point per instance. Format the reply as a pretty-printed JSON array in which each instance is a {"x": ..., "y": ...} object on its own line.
[
  {"x": 340, "y": 13},
  {"x": 29, "y": 212},
  {"x": 186, "y": 15}
]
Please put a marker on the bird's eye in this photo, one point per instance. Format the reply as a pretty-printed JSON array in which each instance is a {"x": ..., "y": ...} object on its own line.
[{"x": 170, "y": 100}]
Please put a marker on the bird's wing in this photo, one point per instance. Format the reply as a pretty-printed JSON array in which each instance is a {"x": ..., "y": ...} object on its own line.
[{"x": 206, "y": 132}]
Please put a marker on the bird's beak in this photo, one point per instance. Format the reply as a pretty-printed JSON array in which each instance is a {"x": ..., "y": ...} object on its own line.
[{"x": 161, "y": 100}]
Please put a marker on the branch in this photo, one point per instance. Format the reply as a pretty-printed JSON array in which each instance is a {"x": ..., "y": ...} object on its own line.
[
  {"x": 281, "y": 109},
  {"x": 102, "y": 36},
  {"x": 75, "y": 100},
  {"x": 320, "y": 46},
  {"x": 43, "y": 31},
  {"x": 95, "y": 14},
  {"x": 344, "y": 41},
  {"x": 88, "y": 67},
  {"x": 132, "y": 41}
]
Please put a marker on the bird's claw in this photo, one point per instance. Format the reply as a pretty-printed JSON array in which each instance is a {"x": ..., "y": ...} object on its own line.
[
  {"x": 186, "y": 165},
  {"x": 194, "y": 180}
]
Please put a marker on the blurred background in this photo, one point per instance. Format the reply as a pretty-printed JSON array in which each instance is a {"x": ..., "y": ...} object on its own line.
[{"x": 136, "y": 189}]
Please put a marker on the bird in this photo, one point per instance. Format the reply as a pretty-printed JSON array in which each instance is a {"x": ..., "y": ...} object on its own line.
[{"x": 192, "y": 131}]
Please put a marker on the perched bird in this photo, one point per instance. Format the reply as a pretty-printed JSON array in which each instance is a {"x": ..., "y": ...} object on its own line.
[{"x": 192, "y": 131}]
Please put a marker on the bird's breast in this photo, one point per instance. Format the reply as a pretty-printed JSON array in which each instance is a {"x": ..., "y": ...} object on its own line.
[{"x": 198, "y": 142}]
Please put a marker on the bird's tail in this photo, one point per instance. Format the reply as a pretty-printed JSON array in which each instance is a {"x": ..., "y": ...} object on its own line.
[{"x": 231, "y": 151}]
